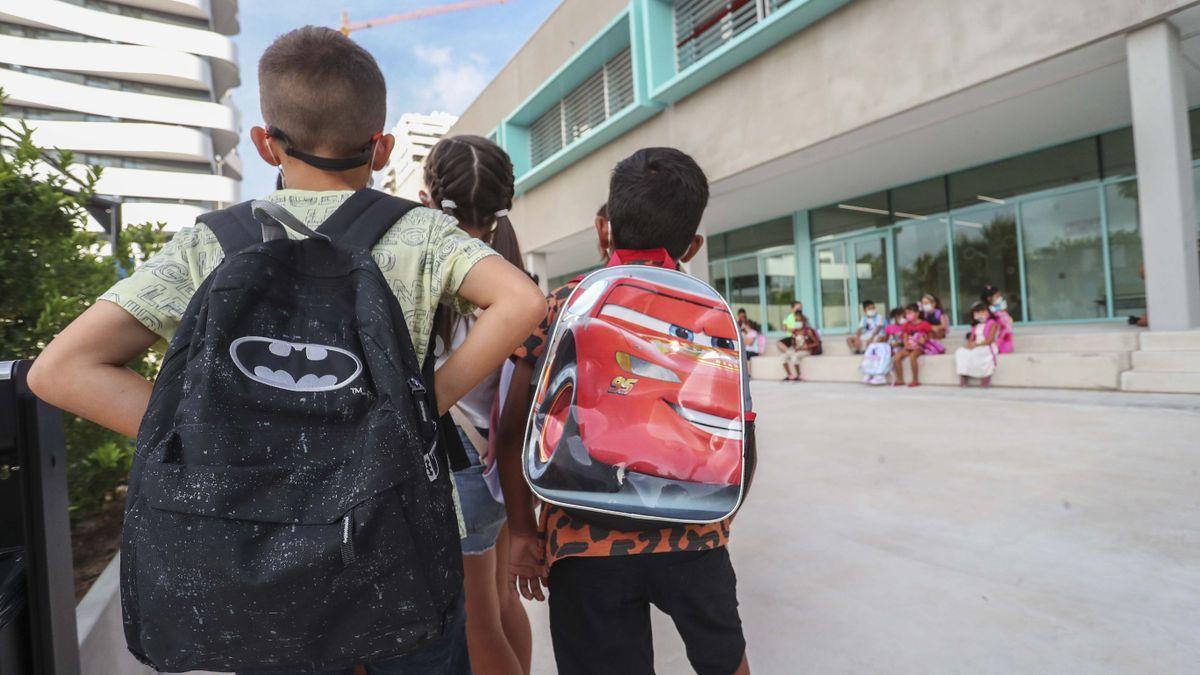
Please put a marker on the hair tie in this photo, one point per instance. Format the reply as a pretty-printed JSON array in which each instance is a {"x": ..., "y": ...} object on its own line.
[
  {"x": 448, "y": 204},
  {"x": 501, "y": 213}
]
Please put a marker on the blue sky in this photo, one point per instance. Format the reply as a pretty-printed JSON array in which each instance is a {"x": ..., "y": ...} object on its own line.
[{"x": 438, "y": 63}]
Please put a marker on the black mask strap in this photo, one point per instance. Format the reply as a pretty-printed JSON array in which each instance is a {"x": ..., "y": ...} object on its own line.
[{"x": 326, "y": 163}]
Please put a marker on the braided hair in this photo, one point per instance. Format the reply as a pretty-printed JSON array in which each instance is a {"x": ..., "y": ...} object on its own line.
[{"x": 471, "y": 178}]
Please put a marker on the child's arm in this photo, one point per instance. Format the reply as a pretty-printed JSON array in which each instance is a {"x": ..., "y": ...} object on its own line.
[
  {"x": 991, "y": 337},
  {"x": 526, "y": 562},
  {"x": 83, "y": 370},
  {"x": 512, "y": 307}
]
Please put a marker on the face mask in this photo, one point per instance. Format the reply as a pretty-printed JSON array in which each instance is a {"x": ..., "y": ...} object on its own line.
[
  {"x": 901, "y": 320},
  {"x": 927, "y": 307},
  {"x": 999, "y": 305},
  {"x": 871, "y": 313},
  {"x": 980, "y": 318},
  {"x": 911, "y": 318}
]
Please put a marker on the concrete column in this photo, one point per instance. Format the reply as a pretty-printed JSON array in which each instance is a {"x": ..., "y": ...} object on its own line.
[
  {"x": 535, "y": 263},
  {"x": 1167, "y": 206}
]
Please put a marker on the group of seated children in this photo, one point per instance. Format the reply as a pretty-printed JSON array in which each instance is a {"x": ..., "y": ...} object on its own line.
[{"x": 918, "y": 329}]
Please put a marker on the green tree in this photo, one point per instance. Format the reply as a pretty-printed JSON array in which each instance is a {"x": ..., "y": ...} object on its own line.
[{"x": 51, "y": 270}]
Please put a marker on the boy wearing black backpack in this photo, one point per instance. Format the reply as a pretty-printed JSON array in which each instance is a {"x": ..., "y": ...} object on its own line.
[
  {"x": 288, "y": 506},
  {"x": 603, "y": 581}
]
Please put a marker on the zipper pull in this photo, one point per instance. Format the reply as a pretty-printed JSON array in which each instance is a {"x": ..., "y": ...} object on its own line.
[
  {"x": 348, "y": 554},
  {"x": 416, "y": 385}
]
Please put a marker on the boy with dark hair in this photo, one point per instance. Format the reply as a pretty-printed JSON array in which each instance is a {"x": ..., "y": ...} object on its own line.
[
  {"x": 604, "y": 581},
  {"x": 324, "y": 102}
]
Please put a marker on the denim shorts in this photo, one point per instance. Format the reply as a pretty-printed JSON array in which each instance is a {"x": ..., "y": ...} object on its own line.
[{"x": 483, "y": 515}]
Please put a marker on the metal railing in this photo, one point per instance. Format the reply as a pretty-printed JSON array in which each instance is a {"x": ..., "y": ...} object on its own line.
[{"x": 34, "y": 523}]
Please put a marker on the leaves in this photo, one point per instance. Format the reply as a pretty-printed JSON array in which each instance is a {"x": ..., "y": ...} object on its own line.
[{"x": 51, "y": 270}]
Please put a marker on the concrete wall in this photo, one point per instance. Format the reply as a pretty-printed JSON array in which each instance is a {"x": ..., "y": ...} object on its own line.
[{"x": 866, "y": 62}]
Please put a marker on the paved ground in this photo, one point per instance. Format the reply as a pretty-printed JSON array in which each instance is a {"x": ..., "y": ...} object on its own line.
[{"x": 943, "y": 531}]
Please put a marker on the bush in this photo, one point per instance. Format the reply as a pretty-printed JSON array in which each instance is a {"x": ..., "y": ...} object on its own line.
[{"x": 51, "y": 269}]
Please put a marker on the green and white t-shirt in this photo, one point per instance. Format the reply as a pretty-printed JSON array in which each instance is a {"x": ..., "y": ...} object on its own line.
[{"x": 424, "y": 258}]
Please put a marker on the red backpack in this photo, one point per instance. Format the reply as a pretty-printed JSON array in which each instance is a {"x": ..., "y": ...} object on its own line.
[{"x": 641, "y": 416}]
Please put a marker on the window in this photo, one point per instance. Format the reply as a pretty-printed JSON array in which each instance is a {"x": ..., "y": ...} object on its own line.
[
  {"x": 1041, "y": 170},
  {"x": 602, "y": 95},
  {"x": 142, "y": 13},
  {"x": 779, "y": 273},
  {"x": 923, "y": 260},
  {"x": 744, "y": 292},
  {"x": 1116, "y": 154},
  {"x": 985, "y": 252},
  {"x": 776, "y": 232},
  {"x": 859, "y": 213},
  {"x": 1125, "y": 249},
  {"x": 1064, "y": 258},
  {"x": 701, "y": 26},
  {"x": 113, "y": 83}
]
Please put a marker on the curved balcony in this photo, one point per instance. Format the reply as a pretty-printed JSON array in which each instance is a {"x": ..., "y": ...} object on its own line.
[
  {"x": 174, "y": 215},
  {"x": 128, "y": 139},
  {"x": 129, "y": 62},
  {"x": 167, "y": 185},
  {"x": 66, "y": 16},
  {"x": 26, "y": 89}
]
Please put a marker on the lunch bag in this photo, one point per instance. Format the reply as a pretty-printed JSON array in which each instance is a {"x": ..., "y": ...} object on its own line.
[
  {"x": 289, "y": 507},
  {"x": 641, "y": 416}
]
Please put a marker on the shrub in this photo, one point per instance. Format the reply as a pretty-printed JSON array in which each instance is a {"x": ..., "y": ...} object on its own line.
[{"x": 51, "y": 269}]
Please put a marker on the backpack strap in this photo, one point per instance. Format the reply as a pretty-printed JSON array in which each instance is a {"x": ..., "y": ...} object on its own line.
[
  {"x": 365, "y": 217},
  {"x": 448, "y": 438},
  {"x": 234, "y": 227}
]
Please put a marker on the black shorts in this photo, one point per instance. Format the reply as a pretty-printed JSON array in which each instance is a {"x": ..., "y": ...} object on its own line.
[
  {"x": 788, "y": 342},
  {"x": 600, "y": 611}
]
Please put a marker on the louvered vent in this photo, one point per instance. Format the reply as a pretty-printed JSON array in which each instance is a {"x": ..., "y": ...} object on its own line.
[{"x": 602, "y": 95}]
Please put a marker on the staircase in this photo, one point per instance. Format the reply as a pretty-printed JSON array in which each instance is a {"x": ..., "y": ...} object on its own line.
[
  {"x": 1046, "y": 357},
  {"x": 1165, "y": 362}
]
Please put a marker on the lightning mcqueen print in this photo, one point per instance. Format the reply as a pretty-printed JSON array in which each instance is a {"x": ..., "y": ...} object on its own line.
[{"x": 639, "y": 406}]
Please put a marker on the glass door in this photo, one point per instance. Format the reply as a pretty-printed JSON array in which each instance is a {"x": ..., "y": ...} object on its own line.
[
  {"x": 833, "y": 295},
  {"x": 869, "y": 275}
]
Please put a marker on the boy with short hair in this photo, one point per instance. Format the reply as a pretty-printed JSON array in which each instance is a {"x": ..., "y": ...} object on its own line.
[
  {"x": 604, "y": 581},
  {"x": 324, "y": 100}
]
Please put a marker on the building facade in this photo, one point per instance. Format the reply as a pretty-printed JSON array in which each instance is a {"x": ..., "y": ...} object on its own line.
[
  {"x": 416, "y": 134},
  {"x": 138, "y": 87},
  {"x": 869, "y": 149}
]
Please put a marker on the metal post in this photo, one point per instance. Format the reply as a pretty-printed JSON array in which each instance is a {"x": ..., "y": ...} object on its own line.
[{"x": 34, "y": 497}]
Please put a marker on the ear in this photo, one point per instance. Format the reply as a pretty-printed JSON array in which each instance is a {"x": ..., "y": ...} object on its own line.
[
  {"x": 425, "y": 199},
  {"x": 693, "y": 249},
  {"x": 258, "y": 136},
  {"x": 383, "y": 151},
  {"x": 603, "y": 236}
]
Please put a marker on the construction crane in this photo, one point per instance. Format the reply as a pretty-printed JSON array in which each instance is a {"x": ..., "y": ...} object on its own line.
[{"x": 348, "y": 27}]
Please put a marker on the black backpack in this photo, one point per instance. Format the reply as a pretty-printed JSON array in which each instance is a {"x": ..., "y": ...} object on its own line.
[{"x": 289, "y": 506}]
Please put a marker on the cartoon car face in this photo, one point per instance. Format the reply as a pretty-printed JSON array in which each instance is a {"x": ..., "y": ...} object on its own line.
[{"x": 644, "y": 381}]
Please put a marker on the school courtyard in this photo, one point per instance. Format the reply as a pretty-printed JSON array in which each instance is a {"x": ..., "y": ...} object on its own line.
[{"x": 980, "y": 531}]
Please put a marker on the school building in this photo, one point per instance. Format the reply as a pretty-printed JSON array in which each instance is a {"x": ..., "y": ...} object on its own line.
[{"x": 874, "y": 149}]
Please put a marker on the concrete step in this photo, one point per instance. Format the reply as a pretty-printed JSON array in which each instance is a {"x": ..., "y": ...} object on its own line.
[
  {"x": 1160, "y": 382},
  {"x": 1176, "y": 362},
  {"x": 1101, "y": 341},
  {"x": 1170, "y": 341},
  {"x": 1093, "y": 370}
]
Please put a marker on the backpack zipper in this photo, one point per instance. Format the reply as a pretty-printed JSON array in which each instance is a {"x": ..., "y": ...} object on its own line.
[{"x": 348, "y": 554}]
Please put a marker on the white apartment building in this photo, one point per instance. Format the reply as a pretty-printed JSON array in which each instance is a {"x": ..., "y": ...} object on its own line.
[
  {"x": 415, "y": 135},
  {"x": 139, "y": 87}
]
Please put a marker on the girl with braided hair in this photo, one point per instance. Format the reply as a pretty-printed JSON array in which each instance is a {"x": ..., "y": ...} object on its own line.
[{"x": 471, "y": 179}]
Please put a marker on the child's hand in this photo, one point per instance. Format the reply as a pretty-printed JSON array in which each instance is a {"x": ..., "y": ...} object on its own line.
[{"x": 527, "y": 565}]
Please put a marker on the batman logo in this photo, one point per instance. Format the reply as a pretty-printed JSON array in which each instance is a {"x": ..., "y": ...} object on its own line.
[{"x": 294, "y": 366}]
